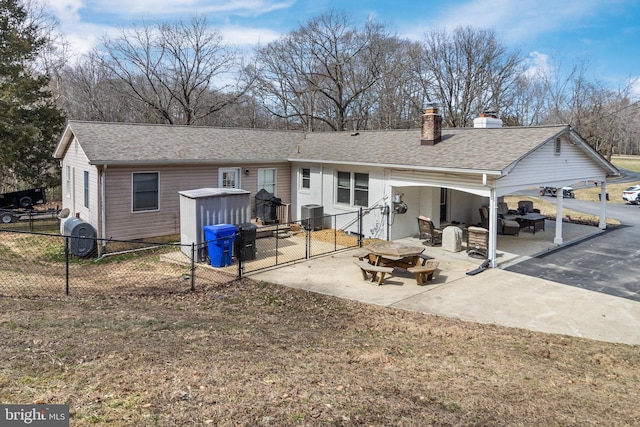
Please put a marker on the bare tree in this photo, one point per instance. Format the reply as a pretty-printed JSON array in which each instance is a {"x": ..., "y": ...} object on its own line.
[
  {"x": 469, "y": 71},
  {"x": 315, "y": 76},
  {"x": 89, "y": 91},
  {"x": 397, "y": 99},
  {"x": 175, "y": 69}
]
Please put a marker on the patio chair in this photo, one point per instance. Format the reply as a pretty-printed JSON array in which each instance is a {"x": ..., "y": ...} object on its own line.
[
  {"x": 484, "y": 217},
  {"x": 429, "y": 232},
  {"x": 505, "y": 212},
  {"x": 526, "y": 206},
  {"x": 508, "y": 226}
]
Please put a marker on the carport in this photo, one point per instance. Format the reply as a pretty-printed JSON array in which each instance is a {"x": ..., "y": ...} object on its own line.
[
  {"x": 499, "y": 161},
  {"x": 444, "y": 174}
]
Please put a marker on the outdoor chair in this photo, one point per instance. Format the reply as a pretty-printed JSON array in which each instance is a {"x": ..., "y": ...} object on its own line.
[
  {"x": 508, "y": 226},
  {"x": 484, "y": 217},
  {"x": 429, "y": 232},
  {"x": 503, "y": 209},
  {"x": 526, "y": 206}
]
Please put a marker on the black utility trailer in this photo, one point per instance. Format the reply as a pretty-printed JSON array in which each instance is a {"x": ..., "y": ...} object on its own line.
[
  {"x": 567, "y": 192},
  {"x": 17, "y": 203}
]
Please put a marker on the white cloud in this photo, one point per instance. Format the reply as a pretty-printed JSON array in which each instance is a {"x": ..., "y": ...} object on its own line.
[
  {"x": 516, "y": 21},
  {"x": 78, "y": 17},
  {"x": 246, "y": 36},
  {"x": 537, "y": 66},
  {"x": 66, "y": 11},
  {"x": 163, "y": 8}
]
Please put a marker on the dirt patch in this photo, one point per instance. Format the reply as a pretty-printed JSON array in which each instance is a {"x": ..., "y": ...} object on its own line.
[
  {"x": 340, "y": 237},
  {"x": 248, "y": 353}
]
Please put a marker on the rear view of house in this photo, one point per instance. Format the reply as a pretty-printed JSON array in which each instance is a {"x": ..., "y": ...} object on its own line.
[{"x": 125, "y": 179}]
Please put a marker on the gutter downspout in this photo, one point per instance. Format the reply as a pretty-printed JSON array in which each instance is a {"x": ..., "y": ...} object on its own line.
[
  {"x": 103, "y": 214},
  {"x": 493, "y": 228}
]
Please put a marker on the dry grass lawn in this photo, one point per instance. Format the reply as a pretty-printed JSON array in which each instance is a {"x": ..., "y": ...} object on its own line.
[
  {"x": 254, "y": 354},
  {"x": 247, "y": 353}
]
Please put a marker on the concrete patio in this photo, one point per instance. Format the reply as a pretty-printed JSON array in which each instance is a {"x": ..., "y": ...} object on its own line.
[{"x": 494, "y": 296}]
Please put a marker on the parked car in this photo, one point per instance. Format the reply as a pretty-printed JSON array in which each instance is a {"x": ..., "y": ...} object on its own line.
[{"x": 632, "y": 194}]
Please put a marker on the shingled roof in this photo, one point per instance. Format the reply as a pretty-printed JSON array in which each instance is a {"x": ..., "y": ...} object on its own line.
[
  {"x": 461, "y": 148},
  {"x": 125, "y": 143},
  {"x": 472, "y": 149}
]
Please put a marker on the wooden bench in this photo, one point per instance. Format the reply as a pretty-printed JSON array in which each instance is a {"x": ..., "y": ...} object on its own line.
[
  {"x": 373, "y": 270},
  {"x": 361, "y": 253},
  {"x": 424, "y": 272}
]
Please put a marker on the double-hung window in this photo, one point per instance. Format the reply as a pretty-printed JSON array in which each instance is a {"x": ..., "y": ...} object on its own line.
[
  {"x": 145, "y": 191},
  {"x": 86, "y": 189},
  {"x": 305, "y": 184},
  {"x": 352, "y": 189},
  {"x": 68, "y": 182},
  {"x": 267, "y": 180}
]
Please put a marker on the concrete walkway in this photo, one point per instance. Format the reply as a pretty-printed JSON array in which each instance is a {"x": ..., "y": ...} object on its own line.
[{"x": 494, "y": 296}]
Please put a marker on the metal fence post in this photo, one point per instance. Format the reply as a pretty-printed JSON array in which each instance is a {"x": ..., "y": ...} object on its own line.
[
  {"x": 240, "y": 246},
  {"x": 360, "y": 228},
  {"x": 66, "y": 262},
  {"x": 193, "y": 266}
]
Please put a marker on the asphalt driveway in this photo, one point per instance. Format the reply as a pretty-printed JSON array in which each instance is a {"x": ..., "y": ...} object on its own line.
[{"x": 607, "y": 263}]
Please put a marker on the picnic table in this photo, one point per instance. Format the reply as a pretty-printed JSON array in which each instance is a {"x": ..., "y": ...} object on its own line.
[
  {"x": 380, "y": 258},
  {"x": 390, "y": 254}
]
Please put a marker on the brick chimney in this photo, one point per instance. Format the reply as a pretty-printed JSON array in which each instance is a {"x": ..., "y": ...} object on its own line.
[{"x": 431, "y": 132}]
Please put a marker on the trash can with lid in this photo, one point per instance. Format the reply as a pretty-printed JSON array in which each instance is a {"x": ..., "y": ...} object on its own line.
[
  {"x": 220, "y": 238},
  {"x": 245, "y": 245}
]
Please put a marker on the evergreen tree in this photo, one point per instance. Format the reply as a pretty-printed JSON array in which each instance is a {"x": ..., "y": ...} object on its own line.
[{"x": 30, "y": 123}]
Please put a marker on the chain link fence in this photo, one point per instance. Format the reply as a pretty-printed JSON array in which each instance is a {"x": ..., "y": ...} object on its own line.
[
  {"x": 277, "y": 244},
  {"x": 47, "y": 264},
  {"x": 42, "y": 264}
]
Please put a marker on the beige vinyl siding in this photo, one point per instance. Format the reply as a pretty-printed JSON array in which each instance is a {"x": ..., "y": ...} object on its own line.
[
  {"x": 283, "y": 182},
  {"x": 123, "y": 223}
]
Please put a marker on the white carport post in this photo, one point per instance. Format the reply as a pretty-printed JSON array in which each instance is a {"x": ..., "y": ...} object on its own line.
[
  {"x": 603, "y": 205},
  {"x": 560, "y": 199},
  {"x": 493, "y": 228}
]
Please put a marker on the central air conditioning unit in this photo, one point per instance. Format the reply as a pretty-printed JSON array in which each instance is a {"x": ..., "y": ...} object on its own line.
[{"x": 313, "y": 217}]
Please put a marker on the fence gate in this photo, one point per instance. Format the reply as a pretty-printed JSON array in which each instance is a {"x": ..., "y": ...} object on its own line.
[{"x": 278, "y": 244}]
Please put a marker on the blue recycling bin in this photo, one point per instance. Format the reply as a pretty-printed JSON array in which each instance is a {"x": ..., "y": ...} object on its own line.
[{"x": 220, "y": 238}]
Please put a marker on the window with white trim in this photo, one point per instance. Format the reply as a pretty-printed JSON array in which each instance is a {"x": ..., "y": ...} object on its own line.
[
  {"x": 68, "y": 182},
  {"x": 267, "y": 180},
  {"x": 86, "y": 189},
  {"x": 305, "y": 182},
  {"x": 145, "y": 191},
  {"x": 352, "y": 189},
  {"x": 229, "y": 178}
]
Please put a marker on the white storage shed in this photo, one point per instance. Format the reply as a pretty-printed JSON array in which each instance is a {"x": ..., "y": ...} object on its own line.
[{"x": 210, "y": 206}]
